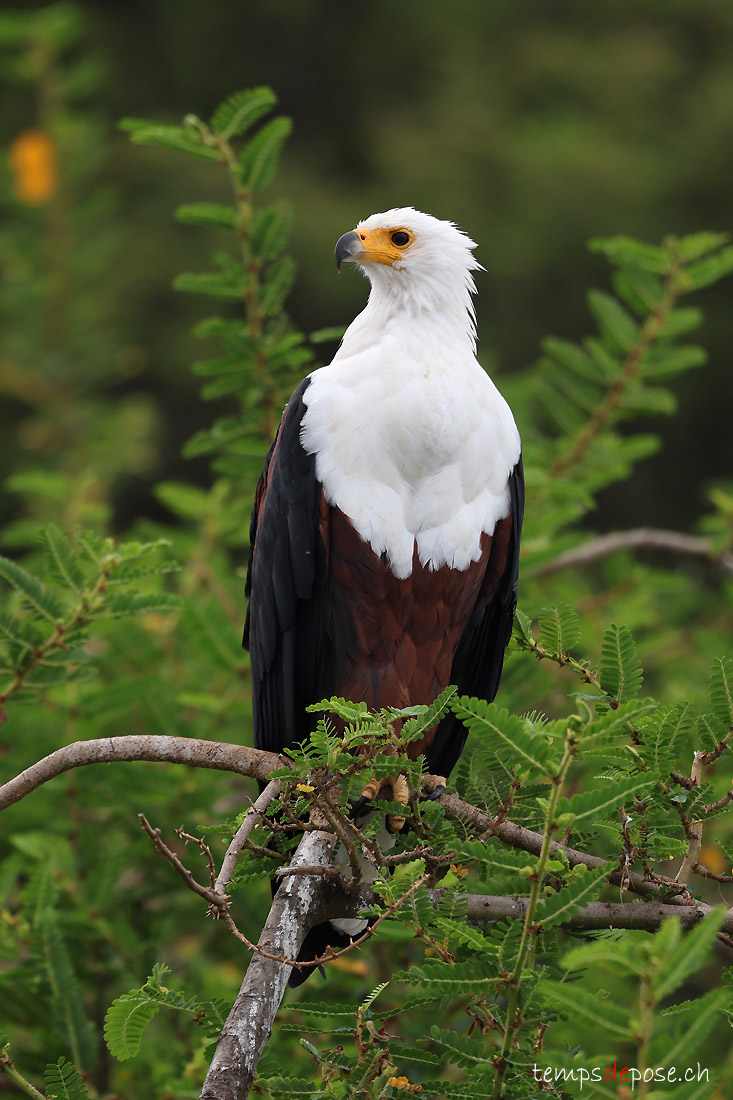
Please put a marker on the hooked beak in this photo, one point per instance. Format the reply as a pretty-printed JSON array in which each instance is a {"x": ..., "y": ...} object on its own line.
[{"x": 348, "y": 249}]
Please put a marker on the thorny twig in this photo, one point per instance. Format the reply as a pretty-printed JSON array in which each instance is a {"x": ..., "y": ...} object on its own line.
[{"x": 243, "y": 833}]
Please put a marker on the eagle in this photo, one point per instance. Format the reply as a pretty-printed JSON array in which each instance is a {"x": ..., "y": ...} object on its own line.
[{"x": 384, "y": 539}]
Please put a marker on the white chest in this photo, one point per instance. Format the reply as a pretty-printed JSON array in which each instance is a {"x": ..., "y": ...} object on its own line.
[{"x": 414, "y": 450}]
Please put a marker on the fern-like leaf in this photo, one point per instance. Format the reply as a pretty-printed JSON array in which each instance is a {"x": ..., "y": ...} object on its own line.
[
  {"x": 584, "y": 887},
  {"x": 63, "y": 1082},
  {"x": 688, "y": 955},
  {"x": 68, "y": 1003},
  {"x": 461, "y": 978},
  {"x": 486, "y": 719},
  {"x": 62, "y": 559},
  {"x": 33, "y": 592},
  {"x": 259, "y": 157},
  {"x": 559, "y": 628},
  {"x": 598, "y": 803},
  {"x": 241, "y": 111},
  {"x": 621, "y": 673},
  {"x": 596, "y": 1012},
  {"x": 721, "y": 690},
  {"x": 209, "y": 214},
  {"x": 126, "y": 1020}
]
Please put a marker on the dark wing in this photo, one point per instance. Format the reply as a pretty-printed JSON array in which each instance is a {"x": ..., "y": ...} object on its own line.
[
  {"x": 285, "y": 628},
  {"x": 479, "y": 657}
]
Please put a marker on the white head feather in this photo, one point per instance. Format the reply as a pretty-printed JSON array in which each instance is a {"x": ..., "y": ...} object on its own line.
[
  {"x": 413, "y": 442},
  {"x": 434, "y": 274}
]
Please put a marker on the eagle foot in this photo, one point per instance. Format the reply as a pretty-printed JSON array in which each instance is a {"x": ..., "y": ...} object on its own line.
[
  {"x": 400, "y": 794},
  {"x": 434, "y": 787}
]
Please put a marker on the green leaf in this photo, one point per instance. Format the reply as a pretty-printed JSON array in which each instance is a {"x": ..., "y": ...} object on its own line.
[
  {"x": 270, "y": 230},
  {"x": 596, "y": 1012},
  {"x": 63, "y": 1082},
  {"x": 169, "y": 137},
  {"x": 460, "y": 978},
  {"x": 290, "y": 1086},
  {"x": 216, "y": 284},
  {"x": 68, "y": 1005},
  {"x": 617, "y": 326},
  {"x": 628, "y": 252},
  {"x": 523, "y": 630},
  {"x": 681, "y": 321},
  {"x": 20, "y": 632},
  {"x": 639, "y": 289},
  {"x": 709, "y": 270},
  {"x": 696, "y": 1030},
  {"x": 696, "y": 245},
  {"x": 572, "y": 357},
  {"x": 559, "y": 628},
  {"x": 62, "y": 558},
  {"x": 688, "y": 955},
  {"x": 209, "y": 214},
  {"x": 259, "y": 157},
  {"x": 276, "y": 286},
  {"x": 721, "y": 690},
  {"x": 607, "y": 954},
  {"x": 32, "y": 591},
  {"x": 464, "y": 1050},
  {"x": 242, "y": 110},
  {"x": 582, "y": 888},
  {"x": 664, "y": 361},
  {"x": 185, "y": 500},
  {"x": 621, "y": 673},
  {"x": 140, "y": 603},
  {"x": 486, "y": 719},
  {"x": 429, "y": 716},
  {"x": 599, "y": 803},
  {"x": 125, "y": 1022},
  {"x": 41, "y": 892},
  {"x": 325, "y": 335}
]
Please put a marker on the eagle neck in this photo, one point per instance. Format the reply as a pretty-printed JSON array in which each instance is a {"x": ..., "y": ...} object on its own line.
[{"x": 393, "y": 311}]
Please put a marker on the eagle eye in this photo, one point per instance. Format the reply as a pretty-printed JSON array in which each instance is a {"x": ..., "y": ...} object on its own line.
[{"x": 400, "y": 238}]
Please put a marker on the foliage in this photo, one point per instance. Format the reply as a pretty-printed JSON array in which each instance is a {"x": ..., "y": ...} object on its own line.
[{"x": 89, "y": 910}]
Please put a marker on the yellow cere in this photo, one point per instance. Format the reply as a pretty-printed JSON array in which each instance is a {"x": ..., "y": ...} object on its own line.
[{"x": 383, "y": 246}]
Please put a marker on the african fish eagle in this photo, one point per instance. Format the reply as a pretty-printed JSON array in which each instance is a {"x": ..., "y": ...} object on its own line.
[{"x": 386, "y": 524}]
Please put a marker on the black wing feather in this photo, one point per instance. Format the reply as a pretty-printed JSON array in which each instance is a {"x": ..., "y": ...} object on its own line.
[
  {"x": 287, "y": 588},
  {"x": 479, "y": 658}
]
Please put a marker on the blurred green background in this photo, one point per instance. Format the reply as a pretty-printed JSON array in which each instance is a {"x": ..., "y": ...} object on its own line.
[{"x": 534, "y": 125}]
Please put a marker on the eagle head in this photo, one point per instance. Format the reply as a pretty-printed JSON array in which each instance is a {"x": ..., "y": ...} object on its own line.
[{"x": 414, "y": 261}]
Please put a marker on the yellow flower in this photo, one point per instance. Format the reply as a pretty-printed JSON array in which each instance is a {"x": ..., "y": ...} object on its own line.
[
  {"x": 403, "y": 1085},
  {"x": 33, "y": 163},
  {"x": 458, "y": 869},
  {"x": 304, "y": 787}
]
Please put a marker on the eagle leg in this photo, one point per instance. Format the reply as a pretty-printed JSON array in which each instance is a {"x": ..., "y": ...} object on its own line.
[
  {"x": 434, "y": 787},
  {"x": 400, "y": 794}
]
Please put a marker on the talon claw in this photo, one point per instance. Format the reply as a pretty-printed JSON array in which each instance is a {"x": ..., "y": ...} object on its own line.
[
  {"x": 435, "y": 794},
  {"x": 358, "y": 806}
]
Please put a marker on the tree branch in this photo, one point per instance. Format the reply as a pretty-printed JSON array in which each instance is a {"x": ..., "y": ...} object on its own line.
[
  {"x": 218, "y": 900},
  {"x": 644, "y": 915},
  {"x": 529, "y": 841},
  {"x": 154, "y": 748},
  {"x": 694, "y": 829},
  {"x": 297, "y": 906},
  {"x": 637, "y": 538},
  {"x": 243, "y": 833}
]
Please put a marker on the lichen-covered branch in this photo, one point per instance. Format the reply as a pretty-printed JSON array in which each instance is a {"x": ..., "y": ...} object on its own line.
[{"x": 297, "y": 906}]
